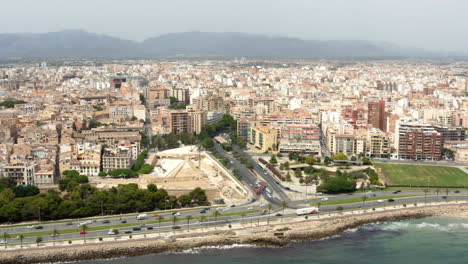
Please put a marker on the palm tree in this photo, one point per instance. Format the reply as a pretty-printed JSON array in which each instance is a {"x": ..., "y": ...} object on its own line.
[
  {"x": 174, "y": 221},
  {"x": 284, "y": 205},
  {"x": 5, "y": 237},
  {"x": 38, "y": 240},
  {"x": 269, "y": 211},
  {"x": 202, "y": 219},
  {"x": 318, "y": 209},
  {"x": 243, "y": 215},
  {"x": 54, "y": 234},
  {"x": 21, "y": 237},
  {"x": 364, "y": 198},
  {"x": 216, "y": 214},
  {"x": 425, "y": 195},
  {"x": 84, "y": 228},
  {"x": 160, "y": 219},
  {"x": 189, "y": 217},
  {"x": 116, "y": 233}
]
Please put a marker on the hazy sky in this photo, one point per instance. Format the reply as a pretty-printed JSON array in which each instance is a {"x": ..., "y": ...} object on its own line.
[{"x": 430, "y": 24}]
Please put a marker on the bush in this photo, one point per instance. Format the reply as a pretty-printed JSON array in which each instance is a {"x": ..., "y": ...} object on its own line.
[
  {"x": 100, "y": 239},
  {"x": 69, "y": 242}
]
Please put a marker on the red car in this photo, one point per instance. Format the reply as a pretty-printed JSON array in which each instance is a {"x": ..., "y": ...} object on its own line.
[{"x": 83, "y": 233}]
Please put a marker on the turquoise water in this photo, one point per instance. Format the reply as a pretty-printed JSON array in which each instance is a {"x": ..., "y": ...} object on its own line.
[{"x": 433, "y": 240}]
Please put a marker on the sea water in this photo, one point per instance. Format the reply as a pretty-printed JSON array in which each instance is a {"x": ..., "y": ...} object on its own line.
[{"x": 431, "y": 240}]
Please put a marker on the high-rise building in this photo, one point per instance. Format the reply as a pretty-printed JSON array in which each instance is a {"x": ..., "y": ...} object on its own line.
[
  {"x": 419, "y": 141},
  {"x": 377, "y": 117}
]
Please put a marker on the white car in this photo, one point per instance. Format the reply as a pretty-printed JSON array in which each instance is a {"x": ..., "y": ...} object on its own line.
[
  {"x": 111, "y": 232},
  {"x": 262, "y": 205},
  {"x": 380, "y": 201},
  {"x": 319, "y": 193},
  {"x": 325, "y": 199},
  {"x": 250, "y": 208}
]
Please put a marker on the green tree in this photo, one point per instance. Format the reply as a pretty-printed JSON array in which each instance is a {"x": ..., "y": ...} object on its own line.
[
  {"x": 84, "y": 231},
  {"x": 6, "y": 236},
  {"x": 160, "y": 219},
  {"x": 152, "y": 187},
  {"x": 366, "y": 161},
  {"x": 269, "y": 207},
  {"x": 21, "y": 237},
  {"x": 298, "y": 173},
  {"x": 38, "y": 240},
  {"x": 364, "y": 198},
  {"x": 310, "y": 160},
  {"x": 216, "y": 214},
  {"x": 284, "y": 205},
  {"x": 54, "y": 234},
  {"x": 340, "y": 156},
  {"x": 273, "y": 159}
]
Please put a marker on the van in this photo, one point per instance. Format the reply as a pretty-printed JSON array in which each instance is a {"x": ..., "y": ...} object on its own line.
[{"x": 141, "y": 216}]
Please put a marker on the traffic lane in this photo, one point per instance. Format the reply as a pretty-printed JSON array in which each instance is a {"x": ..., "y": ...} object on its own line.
[
  {"x": 247, "y": 176},
  {"x": 129, "y": 220},
  {"x": 399, "y": 201}
]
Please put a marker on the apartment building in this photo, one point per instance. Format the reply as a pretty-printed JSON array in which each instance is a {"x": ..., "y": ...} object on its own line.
[
  {"x": 419, "y": 141},
  {"x": 263, "y": 138},
  {"x": 116, "y": 158}
]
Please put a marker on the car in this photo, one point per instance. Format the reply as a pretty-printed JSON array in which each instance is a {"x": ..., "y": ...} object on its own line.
[
  {"x": 395, "y": 192},
  {"x": 176, "y": 227},
  {"x": 69, "y": 223},
  {"x": 127, "y": 231},
  {"x": 277, "y": 182},
  {"x": 325, "y": 199},
  {"x": 3, "y": 241},
  {"x": 262, "y": 205},
  {"x": 111, "y": 232},
  {"x": 136, "y": 229},
  {"x": 123, "y": 221},
  {"x": 176, "y": 213},
  {"x": 38, "y": 227},
  {"x": 202, "y": 211},
  {"x": 457, "y": 191},
  {"x": 54, "y": 235},
  {"x": 83, "y": 233},
  {"x": 278, "y": 215},
  {"x": 350, "y": 193},
  {"x": 287, "y": 188},
  {"x": 263, "y": 213},
  {"x": 250, "y": 208},
  {"x": 374, "y": 195},
  {"x": 391, "y": 200},
  {"x": 233, "y": 205},
  {"x": 149, "y": 228},
  {"x": 380, "y": 201},
  {"x": 319, "y": 193},
  {"x": 444, "y": 197},
  {"x": 106, "y": 222}
]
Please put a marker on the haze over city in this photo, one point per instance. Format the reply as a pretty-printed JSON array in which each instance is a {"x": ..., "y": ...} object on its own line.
[{"x": 427, "y": 24}]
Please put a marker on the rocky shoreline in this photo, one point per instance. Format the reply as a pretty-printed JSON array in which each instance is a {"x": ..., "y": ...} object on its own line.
[{"x": 299, "y": 231}]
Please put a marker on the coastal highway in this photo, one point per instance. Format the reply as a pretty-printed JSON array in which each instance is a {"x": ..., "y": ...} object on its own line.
[{"x": 253, "y": 217}]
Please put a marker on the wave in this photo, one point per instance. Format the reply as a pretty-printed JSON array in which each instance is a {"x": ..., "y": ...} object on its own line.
[
  {"x": 395, "y": 226},
  {"x": 200, "y": 249}
]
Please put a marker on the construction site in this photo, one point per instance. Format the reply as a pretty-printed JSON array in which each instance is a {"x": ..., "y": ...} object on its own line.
[{"x": 181, "y": 170}]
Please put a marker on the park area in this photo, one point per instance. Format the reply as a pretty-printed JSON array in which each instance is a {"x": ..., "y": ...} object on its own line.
[{"x": 422, "y": 175}]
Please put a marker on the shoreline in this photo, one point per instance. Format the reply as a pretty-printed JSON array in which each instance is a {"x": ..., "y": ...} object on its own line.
[{"x": 305, "y": 230}]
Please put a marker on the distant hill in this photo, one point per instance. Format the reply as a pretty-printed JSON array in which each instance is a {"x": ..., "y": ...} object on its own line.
[{"x": 82, "y": 44}]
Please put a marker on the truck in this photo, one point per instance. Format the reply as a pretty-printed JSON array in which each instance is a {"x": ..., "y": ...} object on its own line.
[
  {"x": 142, "y": 216},
  {"x": 306, "y": 211}
]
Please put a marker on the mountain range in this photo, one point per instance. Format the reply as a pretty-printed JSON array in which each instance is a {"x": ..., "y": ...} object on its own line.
[{"x": 82, "y": 44}]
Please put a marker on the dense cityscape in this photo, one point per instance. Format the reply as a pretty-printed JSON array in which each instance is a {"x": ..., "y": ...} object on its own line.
[{"x": 246, "y": 131}]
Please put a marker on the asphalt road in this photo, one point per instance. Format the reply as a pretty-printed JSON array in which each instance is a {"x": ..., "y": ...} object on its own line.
[{"x": 223, "y": 220}]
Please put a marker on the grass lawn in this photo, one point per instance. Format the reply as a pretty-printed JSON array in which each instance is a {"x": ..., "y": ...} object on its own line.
[
  {"x": 423, "y": 175},
  {"x": 359, "y": 200}
]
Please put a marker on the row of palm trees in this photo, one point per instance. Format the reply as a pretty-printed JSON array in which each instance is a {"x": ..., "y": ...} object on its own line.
[{"x": 160, "y": 218}]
